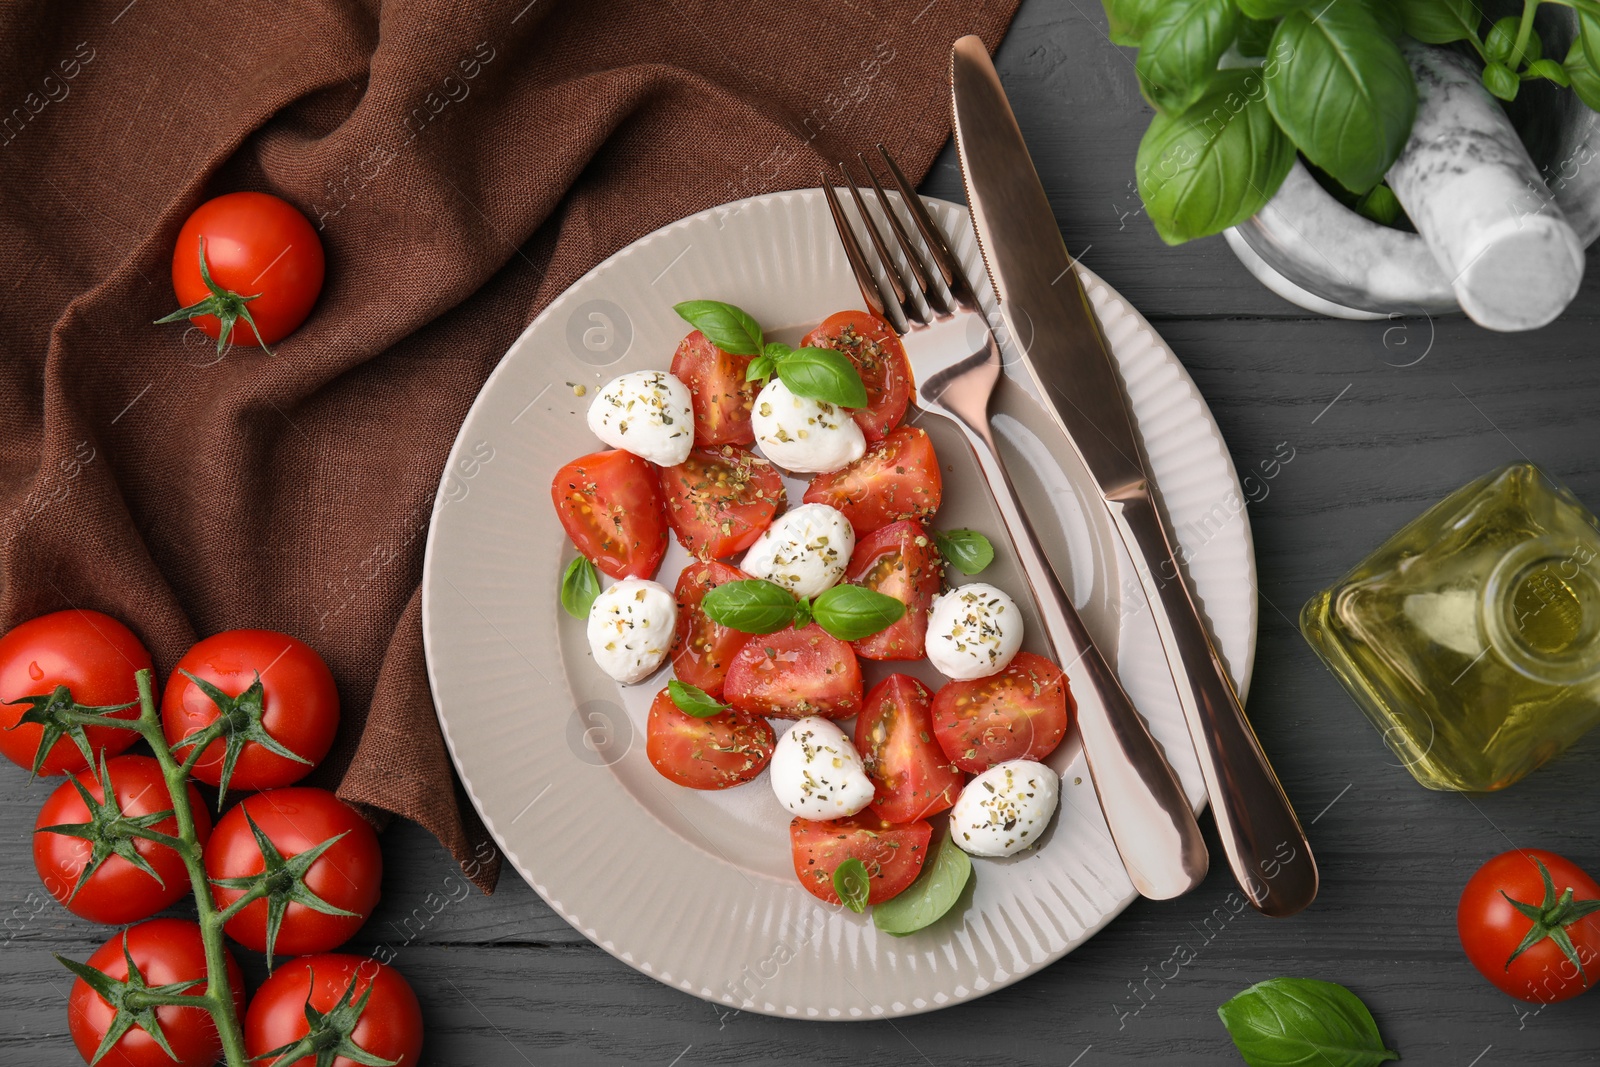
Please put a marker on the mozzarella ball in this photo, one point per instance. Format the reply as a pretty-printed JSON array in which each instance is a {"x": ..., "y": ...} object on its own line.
[
  {"x": 630, "y": 629},
  {"x": 803, "y": 435},
  {"x": 647, "y": 413},
  {"x": 804, "y": 550},
  {"x": 974, "y": 631},
  {"x": 817, "y": 773},
  {"x": 1005, "y": 809}
]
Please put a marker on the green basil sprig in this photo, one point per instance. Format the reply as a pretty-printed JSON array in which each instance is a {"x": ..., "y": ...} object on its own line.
[
  {"x": 1286, "y": 1021},
  {"x": 850, "y": 881},
  {"x": 692, "y": 700},
  {"x": 579, "y": 587},
  {"x": 935, "y": 892},
  {"x": 968, "y": 551},
  {"x": 820, "y": 374},
  {"x": 757, "y": 606}
]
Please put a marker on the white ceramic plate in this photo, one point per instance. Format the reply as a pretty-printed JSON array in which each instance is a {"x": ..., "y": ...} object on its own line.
[{"x": 697, "y": 889}]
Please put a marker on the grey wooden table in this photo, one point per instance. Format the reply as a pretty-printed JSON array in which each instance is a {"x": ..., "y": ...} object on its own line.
[{"x": 1384, "y": 418}]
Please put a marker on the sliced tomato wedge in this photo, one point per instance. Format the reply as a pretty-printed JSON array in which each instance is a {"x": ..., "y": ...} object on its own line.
[
  {"x": 1021, "y": 713},
  {"x": 893, "y": 855},
  {"x": 720, "y": 499},
  {"x": 898, "y": 478},
  {"x": 894, "y": 734},
  {"x": 875, "y": 349},
  {"x": 795, "y": 673},
  {"x": 610, "y": 505},
  {"x": 901, "y": 561},
  {"x": 722, "y": 398},
  {"x": 702, "y": 650},
  {"x": 715, "y": 753}
]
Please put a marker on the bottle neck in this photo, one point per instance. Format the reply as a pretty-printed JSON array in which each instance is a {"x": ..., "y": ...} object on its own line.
[{"x": 1540, "y": 610}]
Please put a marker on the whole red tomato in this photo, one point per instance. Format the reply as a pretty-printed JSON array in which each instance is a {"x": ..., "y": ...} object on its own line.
[
  {"x": 165, "y": 952},
  {"x": 1514, "y": 916},
  {"x": 88, "y": 869},
  {"x": 296, "y": 708},
  {"x": 345, "y": 877},
  {"x": 94, "y": 657},
  {"x": 258, "y": 248},
  {"x": 389, "y": 1027}
]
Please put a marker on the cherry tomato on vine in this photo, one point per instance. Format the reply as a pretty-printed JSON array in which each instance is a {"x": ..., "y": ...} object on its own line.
[
  {"x": 294, "y": 822},
  {"x": 265, "y": 265},
  {"x": 278, "y": 695},
  {"x": 331, "y": 987},
  {"x": 165, "y": 952},
  {"x": 87, "y": 863},
  {"x": 80, "y": 657},
  {"x": 1519, "y": 916}
]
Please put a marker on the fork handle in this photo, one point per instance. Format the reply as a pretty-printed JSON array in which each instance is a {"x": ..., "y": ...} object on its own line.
[{"x": 1145, "y": 808}]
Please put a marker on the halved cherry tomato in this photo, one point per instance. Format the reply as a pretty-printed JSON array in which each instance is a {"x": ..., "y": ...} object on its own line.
[
  {"x": 389, "y": 1028},
  {"x": 875, "y": 349},
  {"x": 610, "y": 505},
  {"x": 722, "y": 398},
  {"x": 94, "y": 656},
  {"x": 893, "y": 855},
  {"x": 117, "y": 891},
  {"x": 702, "y": 650},
  {"x": 898, "y": 478},
  {"x": 894, "y": 734},
  {"x": 720, "y": 499},
  {"x": 724, "y": 750},
  {"x": 1492, "y": 928},
  {"x": 901, "y": 561},
  {"x": 795, "y": 673},
  {"x": 1021, "y": 713}
]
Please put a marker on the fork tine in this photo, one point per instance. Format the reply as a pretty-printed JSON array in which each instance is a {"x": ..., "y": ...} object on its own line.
[
  {"x": 870, "y": 292},
  {"x": 932, "y": 293},
  {"x": 897, "y": 281},
  {"x": 944, "y": 259}
]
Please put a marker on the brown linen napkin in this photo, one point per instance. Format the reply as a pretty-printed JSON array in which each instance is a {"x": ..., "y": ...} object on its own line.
[{"x": 464, "y": 164}]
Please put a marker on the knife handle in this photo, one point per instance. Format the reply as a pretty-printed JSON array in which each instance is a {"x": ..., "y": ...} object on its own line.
[
  {"x": 1151, "y": 823},
  {"x": 1265, "y": 845}
]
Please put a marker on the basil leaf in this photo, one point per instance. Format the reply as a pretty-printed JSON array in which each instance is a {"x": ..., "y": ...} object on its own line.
[
  {"x": 1301, "y": 1020},
  {"x": 851, "y": 883},
  {"x": 751, "y": 606},
  {"x": 1500, "y": 44},
  {"x": 776, "y": 350},
  {"x": 729, "y": 328},
  {"x": 1499, "y": 80},
  {"x": 1216, "y": 164},
  {"x": 1130, "y": 19},
  {"x": 935, "y": 892},
  {"x": 823, "y": 374},
  {"x": 579, "y": 587},
  {"x": 692, "y": 700},
  {"x": 1346, "y": 98},
  {"x": 1440, "y": 21},
  {"x": 1270, "y": 9},
  {"x": 1585, "y": 79},
  {"x": 802, "y": 614},
  {"x": 1550, "y": 70},
  {"x": 1255, "y": 36},
  {"x": 1589, "y": 37},
  {"x": 851, "y": 612},
  {"x": 1380, "y": 205},
  {"x": 1179, "y": 53},
  {"x": 760, "y": 369},
  {"x": 968, "y": 551}
]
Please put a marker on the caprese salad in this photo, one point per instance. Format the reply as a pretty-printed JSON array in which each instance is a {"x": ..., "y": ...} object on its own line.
[{"x": 780, "y": 605}]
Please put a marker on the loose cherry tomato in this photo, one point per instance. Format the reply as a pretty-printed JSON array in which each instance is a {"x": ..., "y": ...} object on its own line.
[
  {"x": 720, "y": 499},
  {"x": 295, "y": 820},
  {"x": 295, "y": 708},
  {"x": 1493, "y": 927},
  {"x": 893, "y": 855},
  {"x": 901, "y": 561},
  {"x": 702, "y": 650},
  {"x": 117, "y": 891},
  {"x": 724, "y": 750},
  {"x": 894, "y": 734},
  {"x": 722, "y": 398},
  {"x": 257, "y": 247},
  {"x": 165, "y": 952},
  {"x": 610, "y": 505},
  {"x": 1021, "y": 713},
  {"x": 795, "y": 673},
  {"x": 898, "y": 478},
  {"x": 95, "y": 657},
  {"x": 390, "y": 1027},
  {"x": 875, "y": 349}
]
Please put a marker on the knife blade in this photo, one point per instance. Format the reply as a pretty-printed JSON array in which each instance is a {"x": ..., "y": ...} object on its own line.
[{"x": 1053, "y": 325}]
